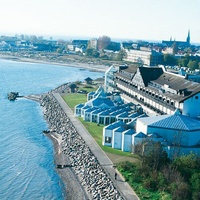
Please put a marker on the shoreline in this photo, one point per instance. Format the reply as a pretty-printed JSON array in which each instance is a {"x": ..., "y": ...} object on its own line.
[
  {"x": 82, "y": 65},
  {"x": 86, "y": 172},
  {"x": 85, "y": 178},
  {"x": 71, "y": 186},
  {"x": 71, "y": 189},
  {"x": 83, "y": 175}
]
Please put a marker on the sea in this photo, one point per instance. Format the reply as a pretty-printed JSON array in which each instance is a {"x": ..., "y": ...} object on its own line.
[{"x": 27, "y": 168}]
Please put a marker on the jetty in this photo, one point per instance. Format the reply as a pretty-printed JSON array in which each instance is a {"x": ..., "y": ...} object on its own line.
[{"x": 34, "y": 97}]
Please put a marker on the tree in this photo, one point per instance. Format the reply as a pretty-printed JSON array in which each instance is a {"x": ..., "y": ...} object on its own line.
[
  {"x": 92, "y": 52},
  {"x": 103, "y": 42},
  {"x": 187, "y": 165},
  {"x": 195, "y": 185},
  {"x": 121, "y": 55},
  {"x": 169, "y": 60},
  {"x": 183, "y": 62},
  {"x": 152, "y": 154},
  {"x": 193, "y": 65}
]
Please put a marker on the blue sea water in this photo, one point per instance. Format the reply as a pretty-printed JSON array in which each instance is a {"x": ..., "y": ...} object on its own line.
[{"x": 27, "y": 169}]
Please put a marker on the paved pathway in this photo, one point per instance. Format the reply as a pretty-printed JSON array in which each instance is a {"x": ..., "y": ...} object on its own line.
[{"x": 104, "y": 161}]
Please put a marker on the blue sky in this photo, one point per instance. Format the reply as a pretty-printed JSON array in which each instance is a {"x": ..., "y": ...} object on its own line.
[{"x": 130, "y": 19}]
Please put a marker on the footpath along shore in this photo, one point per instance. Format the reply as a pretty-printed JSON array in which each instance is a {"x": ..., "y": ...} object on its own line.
[{"x": 86, "y": 171}]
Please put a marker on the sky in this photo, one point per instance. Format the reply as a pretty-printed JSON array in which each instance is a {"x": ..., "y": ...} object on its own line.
[{"x": 119, "y": 19}]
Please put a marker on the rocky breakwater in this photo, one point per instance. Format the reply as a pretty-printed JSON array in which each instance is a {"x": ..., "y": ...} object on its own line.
[{"x": 96, "y": 183}]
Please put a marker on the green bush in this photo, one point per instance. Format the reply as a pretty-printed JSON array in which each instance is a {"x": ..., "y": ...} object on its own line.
[
  {"x": 195, "y": 186},
  {"x": 150, "y": 183},
  {"x": 179, "y": 190}
]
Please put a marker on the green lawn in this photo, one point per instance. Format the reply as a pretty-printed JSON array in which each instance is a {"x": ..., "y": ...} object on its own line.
[
  {"x": 73, "y": 99},
  {"x": 97, "y": 132}
]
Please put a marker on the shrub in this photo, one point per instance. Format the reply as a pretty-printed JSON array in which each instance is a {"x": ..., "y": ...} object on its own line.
[
  {"x": 179, "y": 190},
  {"x": 162, "y": 182},
  {"x": 195, "y": 186},
  {"x": 126, "y": 166},
  {"x": 150, "y": 183}
]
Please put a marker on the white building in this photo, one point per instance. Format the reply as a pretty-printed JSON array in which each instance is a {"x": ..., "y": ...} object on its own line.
[
  {"x": 175, "y": 132},
  {"x": 117, "y": 137},
  {"x": 156, "y": 89},
  {"x": 144, "y": 57},
  {"x": 177, "y": 129},
  {"x": 127, "y": 140}
]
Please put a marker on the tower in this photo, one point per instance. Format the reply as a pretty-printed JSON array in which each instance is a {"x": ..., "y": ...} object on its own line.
[{"x": 188, "y": 38}]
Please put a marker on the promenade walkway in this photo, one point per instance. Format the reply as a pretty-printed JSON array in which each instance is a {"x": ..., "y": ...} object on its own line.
[{"x": 122, "y": 186}]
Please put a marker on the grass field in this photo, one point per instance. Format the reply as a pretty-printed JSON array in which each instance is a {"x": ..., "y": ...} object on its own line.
[{"x": 72, "y": 99}]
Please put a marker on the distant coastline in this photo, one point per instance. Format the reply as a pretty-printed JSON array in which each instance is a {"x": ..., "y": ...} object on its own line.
[{"x": 84, "y": 65}]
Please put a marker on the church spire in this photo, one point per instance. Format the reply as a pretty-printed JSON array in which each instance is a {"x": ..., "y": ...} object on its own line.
[{"x": 188, "y": 37}]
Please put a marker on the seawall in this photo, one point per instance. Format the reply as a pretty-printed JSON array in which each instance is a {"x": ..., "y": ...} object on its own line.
[{"x": 84, "y": 178}]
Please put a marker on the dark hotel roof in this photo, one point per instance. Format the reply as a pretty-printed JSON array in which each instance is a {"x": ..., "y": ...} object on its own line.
[
  {"x": 185, "y": 88},
  {"x": 173, "y": 86}
]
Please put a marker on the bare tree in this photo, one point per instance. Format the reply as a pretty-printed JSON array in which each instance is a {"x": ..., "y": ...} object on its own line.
[{"x": 103, "y": 42}]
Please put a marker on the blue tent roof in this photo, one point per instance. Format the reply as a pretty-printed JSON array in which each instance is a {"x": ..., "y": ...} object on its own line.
[
  {"x": 96, "y": 111},
  {"x": 98, "y": 101},
  {"x": 154, "y": 135},
  {"x": 89, "y": 109},
  {"x": 85, "y": 107},
  {"x": 178, "y": 122},
  {"x": 124, "y": 114},
  {"x": 140, "y": 135},
  {"x": 175, "y": 121},
  {"x": 80, "y": 105},
  {"x": 105, "y": 112},
  {"x": 109, "y": 127},
  {"x": 91, "y": 93},
  {"x": 129, "y": 132},
  {"x": 120, "y": 129}
]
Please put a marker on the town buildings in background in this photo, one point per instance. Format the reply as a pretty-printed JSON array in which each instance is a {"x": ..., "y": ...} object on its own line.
[{"x": 141, "y": 52}]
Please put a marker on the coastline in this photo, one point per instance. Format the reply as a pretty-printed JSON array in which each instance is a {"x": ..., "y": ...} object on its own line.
[
  {"x": 71, "y": 187},
  {"x": 82, "y": 65},
  {"x": 83, "y": 177},
  {"x": 86, "y": 172}
]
